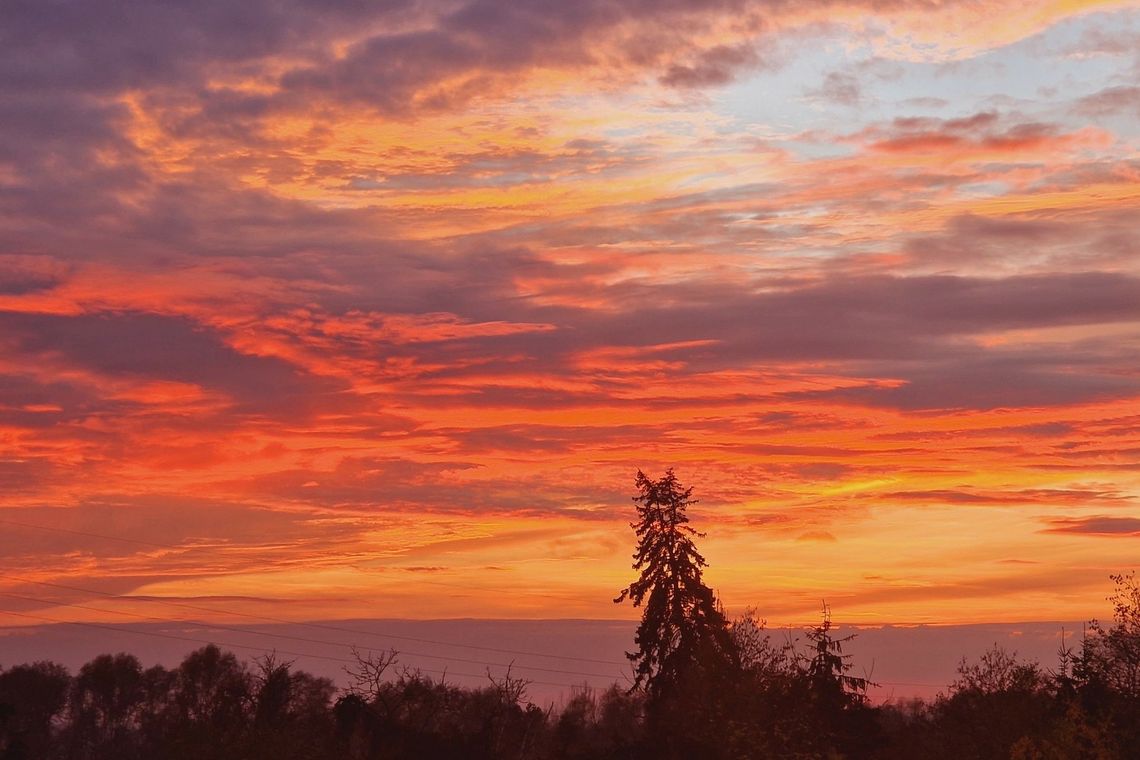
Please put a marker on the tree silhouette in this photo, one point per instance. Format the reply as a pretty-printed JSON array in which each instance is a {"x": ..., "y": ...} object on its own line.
[
  {"x": 104, "y": 705},
  {"x": 1110, "y": 656},
  {"x": 31, "y": 697},
  {"x": 682, "y": 625},
  {"x": 828, "y": 666},
  {"x": 737, "y": 696}
]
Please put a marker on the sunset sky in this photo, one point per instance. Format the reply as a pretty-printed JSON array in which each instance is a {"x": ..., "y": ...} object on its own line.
[{"x": 323, "y": 310}]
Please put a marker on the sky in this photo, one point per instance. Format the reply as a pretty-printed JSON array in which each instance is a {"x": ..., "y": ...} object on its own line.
[{"x": 319, "y": 310}]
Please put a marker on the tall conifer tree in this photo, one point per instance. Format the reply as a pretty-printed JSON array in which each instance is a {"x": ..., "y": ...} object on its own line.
[{"x": 682, "y": 625}]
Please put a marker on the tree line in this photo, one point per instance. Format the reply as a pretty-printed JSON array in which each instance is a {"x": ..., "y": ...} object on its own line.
[{"x": 704, "y": 686}]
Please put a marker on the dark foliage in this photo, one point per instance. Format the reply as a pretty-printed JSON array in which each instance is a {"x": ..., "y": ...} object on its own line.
[
  {"x": 777, "y": 700},
  {"x": 1001, "y": 707},
  {"x": 31, "y": 696}
]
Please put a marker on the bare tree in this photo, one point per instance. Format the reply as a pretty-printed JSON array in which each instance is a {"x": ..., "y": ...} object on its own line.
[{"x": 367, "y": 677}]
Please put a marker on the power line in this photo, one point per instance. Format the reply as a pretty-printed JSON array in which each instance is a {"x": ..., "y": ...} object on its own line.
[
  {"x": 283, "y": 621},
  {"x": 265, "y": 650},
  {"x": 306, "y": 639},
  {"x": 175, "y": 637},
  {"x": 470, "y": 587},
  {"x": 175, "y": 547},
  {"x": 341, "y": 629},
  {"x": 265, "y": 618},
  {"x": 96, "y": 535},
  {"x": 122, "y": 629}
]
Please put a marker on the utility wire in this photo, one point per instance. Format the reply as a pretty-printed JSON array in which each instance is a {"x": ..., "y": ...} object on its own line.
[
  {"x": 303, "y": 639},
  {"x": 121, "y": 629},
  {"x": 264, "y": 650},
  {"x": 499, "y": 650},
  {"x": 284, "y": 621},
  {"x": 97, "y": 535},
  {"x": 222, "y": 545}
]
